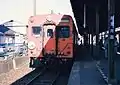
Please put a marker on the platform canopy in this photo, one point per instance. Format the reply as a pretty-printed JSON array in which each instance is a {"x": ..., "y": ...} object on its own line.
[{"x": 91, "y": 6}]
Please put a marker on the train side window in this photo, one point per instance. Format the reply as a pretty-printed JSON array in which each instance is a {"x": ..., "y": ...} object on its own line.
[
  {"x": 50, "y": 33},
  {"x": 36, "y": 30}
]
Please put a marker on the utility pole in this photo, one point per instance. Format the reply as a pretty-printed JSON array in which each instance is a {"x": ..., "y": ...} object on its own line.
[
  {"x": 111, "y": 28},
  {"x": 52, "y": 12},
  {"x": 34, "y": 7}
]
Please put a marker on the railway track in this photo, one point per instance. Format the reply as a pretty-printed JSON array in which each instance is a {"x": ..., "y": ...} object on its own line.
[
  {"x": 45, "y": 78},
  {"x": 27, "y": 78},
  {"x": 42, "y": 76}
]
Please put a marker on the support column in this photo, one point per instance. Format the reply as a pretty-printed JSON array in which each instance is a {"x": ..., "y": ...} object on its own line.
[
  {"x": 97, "y": 33},
  {"x": 86, "y": 29},
  {"x": 92, "y": 43},
  {"x": 119, "y": 42},
  {"x": 84, "y": 15},
  {"x": 119, "y": 37},
  {"x": 97, "y": 26},
  {"x": 111, "y": 28},
  {"x": 89, "y": 38}
]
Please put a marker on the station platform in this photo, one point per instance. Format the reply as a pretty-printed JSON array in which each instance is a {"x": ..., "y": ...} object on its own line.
[{"x": 84, "y": 71}]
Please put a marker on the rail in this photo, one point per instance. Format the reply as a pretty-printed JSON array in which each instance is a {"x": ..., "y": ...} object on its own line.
[
  {"x": 39, "y": 79},
  {"x": 43, "y": 70},
  {"x": 52, "y": 83}
]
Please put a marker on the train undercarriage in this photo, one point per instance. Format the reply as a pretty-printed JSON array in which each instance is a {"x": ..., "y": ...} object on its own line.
[{"x": 49, "y": 61}]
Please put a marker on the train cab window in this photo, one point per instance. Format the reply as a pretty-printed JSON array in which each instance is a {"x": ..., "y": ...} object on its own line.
[
  {"x": 50, "y": 33},
  {"x": 63, "y": 32},
  {"x": 36, "y": 30}
]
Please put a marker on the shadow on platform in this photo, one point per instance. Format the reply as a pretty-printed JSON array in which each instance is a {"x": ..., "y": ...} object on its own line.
[
  {"x": 83, "y": 53},
  {"x": 84, "y": 70}
]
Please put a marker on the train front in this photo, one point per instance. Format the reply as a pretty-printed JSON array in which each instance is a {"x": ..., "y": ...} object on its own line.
[{"x": 51, "y": 39}]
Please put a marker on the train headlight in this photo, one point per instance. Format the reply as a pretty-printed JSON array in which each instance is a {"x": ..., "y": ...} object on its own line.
[
  {"x": 62, "y": 53},
  {"x": 31, "y": 45}
]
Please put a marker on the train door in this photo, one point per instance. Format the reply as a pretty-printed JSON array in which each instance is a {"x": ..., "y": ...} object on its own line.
[
  {"x": 63, "y": 40},
  {"x": 48, "y": 39}
]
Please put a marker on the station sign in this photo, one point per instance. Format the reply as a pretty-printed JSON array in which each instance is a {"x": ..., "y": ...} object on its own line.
[{"x": 111, "y": 30}]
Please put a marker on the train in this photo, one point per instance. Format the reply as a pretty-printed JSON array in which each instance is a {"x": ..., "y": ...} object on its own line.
[{"x": 52, "y": 39}]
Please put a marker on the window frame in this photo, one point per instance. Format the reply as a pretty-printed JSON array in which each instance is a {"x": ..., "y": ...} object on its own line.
[{"x": 52, "y": 33}]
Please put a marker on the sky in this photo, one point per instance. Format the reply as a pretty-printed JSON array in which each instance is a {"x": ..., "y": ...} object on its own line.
[{"x": 21, "y": 10}]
